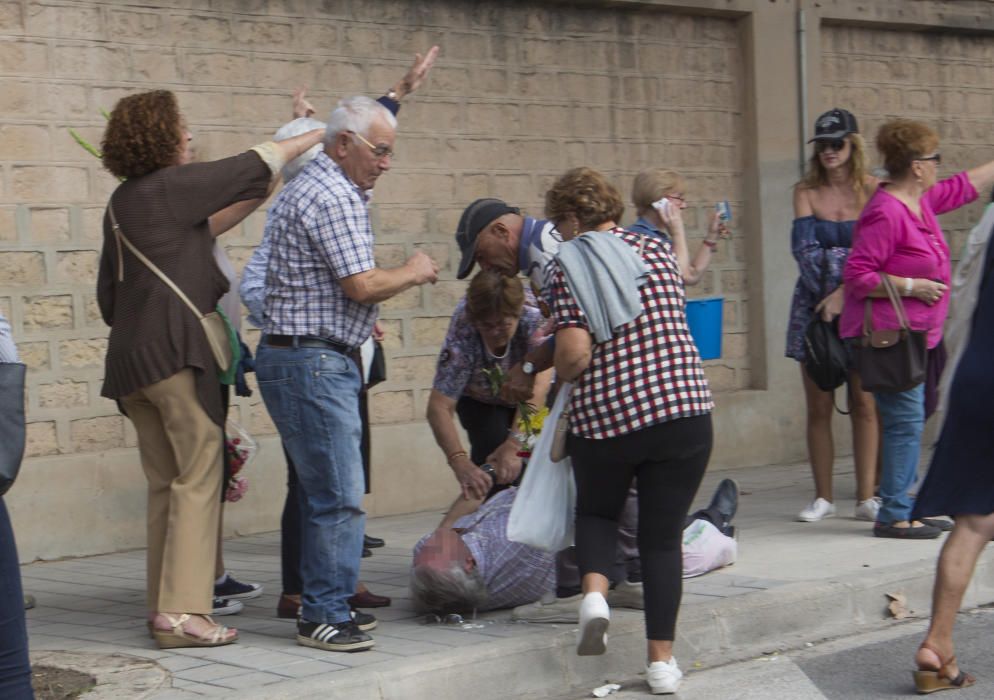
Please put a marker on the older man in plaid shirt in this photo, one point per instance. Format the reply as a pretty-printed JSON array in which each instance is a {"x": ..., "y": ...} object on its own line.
[{"x": 322, "y": 290}]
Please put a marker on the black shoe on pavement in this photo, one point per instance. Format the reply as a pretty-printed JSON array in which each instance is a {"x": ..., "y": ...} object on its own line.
[
  {"x": 941, "y": 523},
  {"x": 366, "y": 552},
  {"x": 725, "y": 501},
  {"x": 236, "y": 590},
  {"x": 364, "y": 621},
  {"x": 341, "y": 636},
  {"x": 224, "y": 606},
  {"x": 370, "y": 542},
  {"x": 922, "y": 532}
]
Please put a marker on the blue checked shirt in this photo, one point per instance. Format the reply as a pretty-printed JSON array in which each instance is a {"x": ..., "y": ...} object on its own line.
[
  {"x": 319, "y": 232},
  {"x": 514, "y": 573}
]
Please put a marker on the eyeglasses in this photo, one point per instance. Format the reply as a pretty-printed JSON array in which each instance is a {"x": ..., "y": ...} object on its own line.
[
  {"x": 937, "y": 157},
  {"x": 830, "y": 145},
  {"x": 678, "y": 197},
  {"x": 378, "y": 151}
]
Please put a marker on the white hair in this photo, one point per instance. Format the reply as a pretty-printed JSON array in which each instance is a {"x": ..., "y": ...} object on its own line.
[
  {"x": 298, "y": 126},
  {"x": 449, "y": 590},
  {"x": 356, "y": 113}
]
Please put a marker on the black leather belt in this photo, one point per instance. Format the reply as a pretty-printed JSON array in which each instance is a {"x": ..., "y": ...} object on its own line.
[{"x": 307, "y": 341}]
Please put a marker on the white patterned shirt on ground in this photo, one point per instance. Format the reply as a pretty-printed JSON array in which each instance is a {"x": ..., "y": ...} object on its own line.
[
  {"x": 706, "y": 548},
  {"x": 514, "y": 573},
  {"x": 319, "y": 232},
  {"x": 463, "y": 356},
  {"x": 650, "y": 371}
]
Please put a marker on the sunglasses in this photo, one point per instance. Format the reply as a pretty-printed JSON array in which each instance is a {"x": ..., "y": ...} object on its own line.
[
  {"x": 936, "y": 157},
  {"x": 830, "y": 145}
]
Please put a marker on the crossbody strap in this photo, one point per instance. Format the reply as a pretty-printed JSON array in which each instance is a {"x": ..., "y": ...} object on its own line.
[{"x": 119, "y": 236}]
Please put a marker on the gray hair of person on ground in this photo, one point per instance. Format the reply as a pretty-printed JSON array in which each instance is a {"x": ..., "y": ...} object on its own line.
[
  {"x": 298, "y": 126},
  {"x": 451, "y": 590},
  {"x": 357, "y": 114}
]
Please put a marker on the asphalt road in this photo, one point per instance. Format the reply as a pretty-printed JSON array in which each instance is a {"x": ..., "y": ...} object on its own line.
[{"x": 874, "y": 665}]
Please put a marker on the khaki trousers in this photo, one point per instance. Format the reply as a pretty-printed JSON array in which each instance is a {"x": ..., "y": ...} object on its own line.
[{"x": 180, "y": 448}]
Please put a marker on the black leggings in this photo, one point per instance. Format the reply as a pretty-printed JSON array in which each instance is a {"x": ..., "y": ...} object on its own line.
[
  {"x": 669, "y": 460},
  {"x": 486, "y": 426}
]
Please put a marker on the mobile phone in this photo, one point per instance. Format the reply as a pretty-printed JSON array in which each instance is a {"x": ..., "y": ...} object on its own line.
[
  {"x": 724, "y": 211},
  {"x": 662, "y": 205}
]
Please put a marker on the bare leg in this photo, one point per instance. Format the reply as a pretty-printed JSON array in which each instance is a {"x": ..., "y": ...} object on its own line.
[
  {"x": 595, "y": 583},
  {"x": 659, "y": 650},
  {"x": 955, "y": 569},
  {"x": 865, "y": 437},
  {"x": 821, "y": 451}
]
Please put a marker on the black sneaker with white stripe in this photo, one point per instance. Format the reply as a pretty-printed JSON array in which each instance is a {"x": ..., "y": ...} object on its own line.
[
  {"x": 364, "y": 621},
  {"x": 342, "y": 636}
]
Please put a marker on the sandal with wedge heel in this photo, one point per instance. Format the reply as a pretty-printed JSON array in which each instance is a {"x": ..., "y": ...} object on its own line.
[
  {"x": 932, "y": 680},
  {"x": 177, "y": 637}
]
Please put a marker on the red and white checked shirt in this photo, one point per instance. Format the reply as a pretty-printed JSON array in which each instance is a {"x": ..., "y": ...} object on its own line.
[{"x": 650, "y": 372}]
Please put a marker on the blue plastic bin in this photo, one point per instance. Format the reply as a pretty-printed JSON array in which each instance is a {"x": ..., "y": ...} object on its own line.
[{"x": 704, "y": 320}]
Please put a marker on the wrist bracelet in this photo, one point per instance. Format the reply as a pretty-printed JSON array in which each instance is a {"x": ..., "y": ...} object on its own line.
[
  {"x": 457, "y": 453},
  {"x": 713, "y": 245},
  {"x": 516, "y": 436},
  {"x": 909, "y": 286}
]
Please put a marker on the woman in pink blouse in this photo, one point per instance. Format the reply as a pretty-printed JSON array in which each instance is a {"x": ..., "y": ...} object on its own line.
[{"x": 897, "y": 234}]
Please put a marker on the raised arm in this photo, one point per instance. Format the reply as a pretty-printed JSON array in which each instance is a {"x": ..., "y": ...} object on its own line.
[{"x": 982, "y": 177}]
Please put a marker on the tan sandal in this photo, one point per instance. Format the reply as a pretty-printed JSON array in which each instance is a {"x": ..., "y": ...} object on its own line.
[
  {"x": 179, "y": 638},
  {"x": 930, "y": 680}
]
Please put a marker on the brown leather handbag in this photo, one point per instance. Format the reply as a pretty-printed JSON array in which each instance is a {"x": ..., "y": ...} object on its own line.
[{"x": 891, "y": 361}]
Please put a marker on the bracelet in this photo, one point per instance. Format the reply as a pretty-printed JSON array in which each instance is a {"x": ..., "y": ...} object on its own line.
[
  {"x": 516, "y": 436},
  {"x": 909, "y": 286},
  {"x": 713, "y": 245},
  {"x": 457, "y": 453}
]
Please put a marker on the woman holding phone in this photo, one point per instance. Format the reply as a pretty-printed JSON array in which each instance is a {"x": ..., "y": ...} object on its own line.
[{"x": 658, "y": 196}]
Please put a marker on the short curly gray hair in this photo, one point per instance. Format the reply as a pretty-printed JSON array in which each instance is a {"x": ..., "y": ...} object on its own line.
[
  {"x": 448, "y": 590},
  {"x": 298, "y": 126}
]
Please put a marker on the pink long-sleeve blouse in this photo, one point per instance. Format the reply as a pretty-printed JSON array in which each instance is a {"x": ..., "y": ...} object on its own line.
[{"x": 890, "y": 238}]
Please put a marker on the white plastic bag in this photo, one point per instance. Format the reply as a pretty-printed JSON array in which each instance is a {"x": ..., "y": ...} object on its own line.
[{"x": 543, "y": 512}]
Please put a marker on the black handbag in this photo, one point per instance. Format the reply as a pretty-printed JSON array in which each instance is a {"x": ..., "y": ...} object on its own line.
[
  {"x": 11, "y": 422},
  {"x": 377, "y": 366},
  {"x": 825, "y": 358},
  {"x": 891, "y": 361}
]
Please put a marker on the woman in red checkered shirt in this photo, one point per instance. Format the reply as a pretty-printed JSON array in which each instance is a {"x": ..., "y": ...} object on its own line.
[{"x": 640, "y": 409}]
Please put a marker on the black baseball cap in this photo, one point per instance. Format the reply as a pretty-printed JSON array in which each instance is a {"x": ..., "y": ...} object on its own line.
[
  {"x": 835, "y": 124},
  {"x": 474, "y": 219}
]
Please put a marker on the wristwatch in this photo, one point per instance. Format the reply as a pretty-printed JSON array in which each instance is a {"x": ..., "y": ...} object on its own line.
[
  {"x": 488, "y": 469},
  {"x": 528, "y": 367}
]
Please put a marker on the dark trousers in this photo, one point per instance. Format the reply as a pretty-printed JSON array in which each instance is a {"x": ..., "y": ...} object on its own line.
[
  {"x": 487, "y": 426},
  {"x": 668, "y": 460},
  {"x": 290, "y": 520},
  {"x": 15, "y": 668}
]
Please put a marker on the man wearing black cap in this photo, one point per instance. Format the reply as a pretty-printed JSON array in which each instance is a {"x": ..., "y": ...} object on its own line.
[{"x": 500, "y": 238}]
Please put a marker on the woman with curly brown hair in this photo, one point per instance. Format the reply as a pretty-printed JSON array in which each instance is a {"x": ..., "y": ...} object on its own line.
[
  {"x": 159, "y": 364},
  {"x": 640, "y": 409},
  {"x": 826, "y": 203}
]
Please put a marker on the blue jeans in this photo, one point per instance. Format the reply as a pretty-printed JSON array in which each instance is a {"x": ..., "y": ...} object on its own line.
[
  {"x": 902, "y": 416},
  {"x": 312, "y": 395},
  {"x": 15, "y": 669}
]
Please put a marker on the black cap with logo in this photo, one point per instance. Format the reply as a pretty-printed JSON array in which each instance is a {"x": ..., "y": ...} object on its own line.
[{"x": 835, "y": 124}]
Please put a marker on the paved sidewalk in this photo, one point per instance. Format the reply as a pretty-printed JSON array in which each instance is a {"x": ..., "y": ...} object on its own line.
[{"x": 793, "y": 582}]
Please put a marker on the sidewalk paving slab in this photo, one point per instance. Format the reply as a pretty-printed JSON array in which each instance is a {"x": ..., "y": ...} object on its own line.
[{"x": 793, "y": 582}]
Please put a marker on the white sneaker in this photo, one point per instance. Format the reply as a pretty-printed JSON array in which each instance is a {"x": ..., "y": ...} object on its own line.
[
  {"x": 626, "y": 595},
  {"x": 868, "y": 509},
  {"x": 550, "y": 609},
  {"x": 816, "y": 510},
  {"x": 595, "y": 616},
  {"x": 663, "y": 676}
]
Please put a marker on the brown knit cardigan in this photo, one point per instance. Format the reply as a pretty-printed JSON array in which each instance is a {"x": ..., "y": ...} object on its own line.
[{"x": 164, "y": 214}]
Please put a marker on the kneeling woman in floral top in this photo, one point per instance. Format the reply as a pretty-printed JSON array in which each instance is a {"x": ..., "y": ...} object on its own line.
[
  {"x": 640, "y": 409},
  {"x": 491, "y": 329}
]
